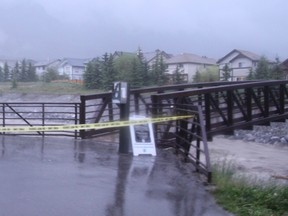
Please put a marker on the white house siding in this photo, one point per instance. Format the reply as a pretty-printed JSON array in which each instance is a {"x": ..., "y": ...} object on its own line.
[
  {"x": 73, "y": 72},
  {"x": 77, "y": 73},
  {"x": 40, "y": 70},
  {"x": 65, "y": 70},
  {"x": 241, "y": 68},
  {"x": 240, "y": 62}
]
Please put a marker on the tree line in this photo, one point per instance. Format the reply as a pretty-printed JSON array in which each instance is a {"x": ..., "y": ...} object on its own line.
[
  {"x": 101, "y": 72},
  {"x": 23, "y": 71}
]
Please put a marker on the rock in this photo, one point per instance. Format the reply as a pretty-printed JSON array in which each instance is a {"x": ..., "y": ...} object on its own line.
[
  {"x": 249, "y": 137},
  {"x": 274, "y": 139},
  {"x": 283, "y": 140}
]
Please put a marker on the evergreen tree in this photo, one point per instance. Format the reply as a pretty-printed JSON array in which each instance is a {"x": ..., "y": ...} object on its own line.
[
  {"x": 123, "y": 67},
  {"x": 1, "y": 75},
  {"x": 50, "y": 74},
  {"x": 92, "y": 75},
  {"x": 6, "y": 72},
  {"x": 143, "y": 68},
  {"x": 158, "y": 70},
  {"x": 226, "y": 73},
  {"x": 23, "y": 76},
  {"x": 16, "y": 72},
  {"x": 250, "y": 75},
  {"x": 31, "y": 73},
  {"x": 262, "y": 72},
  {"x": 14, "y": 83},
  {"x": 137, "y": 74},
  {"x": 197, "y": 77},
  {"x": 276, "y": 71},
  {"x": 108, "y": 71},
  {"x": 162, "y": 69},
  {"x": 178, "y": 79}
]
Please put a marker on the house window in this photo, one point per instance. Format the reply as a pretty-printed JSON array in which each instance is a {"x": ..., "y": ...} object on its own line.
[
  {"x": 240, "y": 64},
  {"x": 67, "y": 68}
]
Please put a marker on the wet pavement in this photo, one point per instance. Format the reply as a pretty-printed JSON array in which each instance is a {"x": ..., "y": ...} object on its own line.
[{"x": 61, "y": 176}]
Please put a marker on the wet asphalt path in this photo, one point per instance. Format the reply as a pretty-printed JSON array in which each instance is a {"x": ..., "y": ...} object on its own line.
[{"x": 61, "y": 176}]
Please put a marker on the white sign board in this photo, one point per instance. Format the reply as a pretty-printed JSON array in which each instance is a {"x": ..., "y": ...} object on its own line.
[{"x": 142, "y": 138}]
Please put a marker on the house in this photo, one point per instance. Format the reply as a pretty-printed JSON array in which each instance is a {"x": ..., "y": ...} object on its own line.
[
  {"x": 42, "y": 66},
  {"x": 239, "y": 62},
  {"x": 72, "y": 67},
  {"x": 284, "y": 68},
  {"x": 188, "y": 64}
]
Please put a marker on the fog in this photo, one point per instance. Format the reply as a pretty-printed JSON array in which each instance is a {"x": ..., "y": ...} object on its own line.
[{"x": 43, "y": 29}]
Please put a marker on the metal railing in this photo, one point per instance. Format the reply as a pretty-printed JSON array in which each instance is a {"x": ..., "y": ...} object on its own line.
[
  {"x": 236, "y": 106},
  {"x": 40, "y": 114},
  {"x": 99, "y": 107}
]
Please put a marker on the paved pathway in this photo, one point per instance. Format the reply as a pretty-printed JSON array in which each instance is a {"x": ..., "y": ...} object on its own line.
[{"x": 57, "y": 177}]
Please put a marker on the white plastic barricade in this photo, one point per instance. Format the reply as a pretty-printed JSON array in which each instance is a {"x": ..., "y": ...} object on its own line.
[{"x": 142, "y": 138}]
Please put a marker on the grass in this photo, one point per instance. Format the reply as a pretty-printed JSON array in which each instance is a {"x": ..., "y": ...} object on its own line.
[
  {"x": 58, "y": 87},
  {"x": 247, "y": 197}
]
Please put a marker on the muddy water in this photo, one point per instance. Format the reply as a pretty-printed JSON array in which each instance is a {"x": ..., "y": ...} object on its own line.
[{"x": 263, "y": 161}]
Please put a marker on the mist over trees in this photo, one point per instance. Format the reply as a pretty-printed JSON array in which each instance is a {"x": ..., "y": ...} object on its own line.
[
  {"x": 209, "y": 74},
  {"x": 100, "y": 73},
  {"x": 266, "y": 71},
  {"x": 22, "y": 71}
]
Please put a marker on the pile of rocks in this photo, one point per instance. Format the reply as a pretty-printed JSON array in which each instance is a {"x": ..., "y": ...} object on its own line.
[{"x": 276, "y": 133}]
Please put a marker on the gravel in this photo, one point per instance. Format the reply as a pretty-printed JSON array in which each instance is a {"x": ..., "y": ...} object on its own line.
[{"x": 276, "y": 133}]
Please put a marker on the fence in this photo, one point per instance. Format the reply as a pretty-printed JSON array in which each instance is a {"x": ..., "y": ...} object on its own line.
[{"x": 40, "y": 114}]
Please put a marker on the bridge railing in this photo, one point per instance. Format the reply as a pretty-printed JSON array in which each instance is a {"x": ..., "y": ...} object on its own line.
[
  {"x": 92, "y": 109},
  {"x": 234, "y": 106},
  {"x": 40, "y": 114},
  {"x": 187, "y": 136},
  {"x": 99, "y": 107}
]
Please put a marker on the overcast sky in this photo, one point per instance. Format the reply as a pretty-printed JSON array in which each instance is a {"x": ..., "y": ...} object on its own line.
[{"x": 43, "y": 29}]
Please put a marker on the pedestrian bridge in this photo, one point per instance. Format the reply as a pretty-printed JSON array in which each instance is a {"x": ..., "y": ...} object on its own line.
[{"x": 215, "y": 108}]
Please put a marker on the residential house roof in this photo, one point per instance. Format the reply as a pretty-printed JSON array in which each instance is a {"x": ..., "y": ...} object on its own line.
[
  {"x": 241, "y": 53},
  {"x": 47, "y": 63},
  {"x": 75, "y": 62},
  {"x": 117, "y": 54},
  {"x": 191, "y": 58},
  {"x": 149, "y": 56}
]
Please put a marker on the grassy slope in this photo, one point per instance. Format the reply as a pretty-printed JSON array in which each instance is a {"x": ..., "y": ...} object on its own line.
[{"x": 245, "y": 197}]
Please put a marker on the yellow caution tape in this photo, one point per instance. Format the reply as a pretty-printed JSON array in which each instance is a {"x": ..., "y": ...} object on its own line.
[{"x": 92, "y": 126}]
